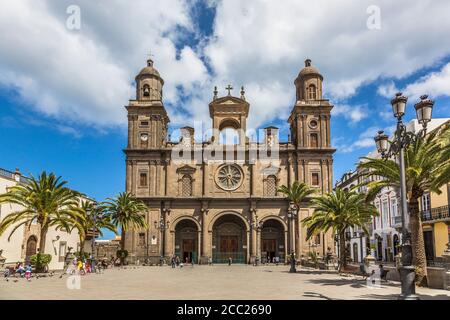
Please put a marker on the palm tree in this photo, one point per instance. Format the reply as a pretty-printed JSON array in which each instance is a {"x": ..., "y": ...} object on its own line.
[
  {"x": 125, "y": 212},
  {"x": 45, "y": 200},
  {"x": 338, "y": 211},
  {"x": 94, "y": 220},
  {"x": 297, "y": 192},
  {"x": 427, "y": 168}
]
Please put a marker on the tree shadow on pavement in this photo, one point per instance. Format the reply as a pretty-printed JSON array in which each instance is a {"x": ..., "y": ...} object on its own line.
[
  {"x": 316, "y": 295},
  {"x": 339, "y": 282},
  {"x": 395, "y": 296}
]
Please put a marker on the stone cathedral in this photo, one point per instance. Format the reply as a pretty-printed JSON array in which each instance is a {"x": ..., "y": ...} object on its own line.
[{"x": 221, "y": 201}]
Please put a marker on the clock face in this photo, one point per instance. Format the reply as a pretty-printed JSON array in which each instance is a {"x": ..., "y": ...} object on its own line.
[{"x": 144, "y": 137}]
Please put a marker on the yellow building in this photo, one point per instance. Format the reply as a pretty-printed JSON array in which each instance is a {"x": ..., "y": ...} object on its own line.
[{"x": 435, "y": 215}]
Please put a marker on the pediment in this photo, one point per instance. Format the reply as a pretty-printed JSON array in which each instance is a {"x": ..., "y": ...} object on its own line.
[
  {"x": 186, "y": 169},
  {"x": 270, "y": 170}
]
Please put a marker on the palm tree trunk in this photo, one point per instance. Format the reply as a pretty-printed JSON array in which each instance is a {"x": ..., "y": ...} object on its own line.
[
  {"x": 417, "y": 243},
  {"x": 42, "y": 238},
  {"x": 82, "y": 248},
  {"x": 342, "y": 252}
]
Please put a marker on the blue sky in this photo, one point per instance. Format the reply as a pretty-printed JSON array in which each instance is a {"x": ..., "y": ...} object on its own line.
[{"x": 62, "y": 90}]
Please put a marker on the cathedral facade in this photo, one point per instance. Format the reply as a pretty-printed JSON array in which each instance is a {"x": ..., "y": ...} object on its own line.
[{"x": 216, "y": 199}]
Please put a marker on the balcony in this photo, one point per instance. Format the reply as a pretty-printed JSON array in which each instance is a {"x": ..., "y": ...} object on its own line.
[
  {"x": 397, "y": 221},
  {"x": 435, "y": 214}
]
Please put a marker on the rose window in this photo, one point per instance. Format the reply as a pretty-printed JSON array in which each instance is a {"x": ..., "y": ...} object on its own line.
[{"x": 229, "y": 177}]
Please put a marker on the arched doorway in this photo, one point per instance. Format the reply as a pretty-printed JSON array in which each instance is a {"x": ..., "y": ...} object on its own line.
[
  {"x": 272, "y": 241},
  {"x": 396, "y": 243},
  {"x": 355, "y": 252},
  {"x": 229, "y": 239},
  {"x": 379, "y": 248},
  {"x": 186, "y": 241},
  {"x": 31, "y": 247}
]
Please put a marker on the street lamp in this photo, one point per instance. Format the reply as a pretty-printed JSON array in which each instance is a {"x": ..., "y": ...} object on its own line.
[
  {"x": 95, "y": 215},
  {"x": 292, "y": 213},
  {"x": 161, "y": 225},
  {"x": 397, "y": 148}
]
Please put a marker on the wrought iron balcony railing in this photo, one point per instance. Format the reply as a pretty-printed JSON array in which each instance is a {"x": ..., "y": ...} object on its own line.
[{"x": 439, "y": 213}]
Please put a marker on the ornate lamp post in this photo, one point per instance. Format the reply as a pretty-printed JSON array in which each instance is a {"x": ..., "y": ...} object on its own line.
[
  {"x": 95, "y": 214},
  {"x": 292, "y": 213},
  {"x": 401, "y": 141},
  {"x": 162, "y": 225}
]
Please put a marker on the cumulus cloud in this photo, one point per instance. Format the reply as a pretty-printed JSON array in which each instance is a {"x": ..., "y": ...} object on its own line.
[
  {"x": 353, "y": 113},
  {"x": 364, "y": 141},
  {"x": 435, "y": 84},
  {"x": 86, "y": 76}
]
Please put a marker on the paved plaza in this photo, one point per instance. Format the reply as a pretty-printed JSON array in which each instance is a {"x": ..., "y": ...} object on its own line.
[{"x": 208, "y": 282}]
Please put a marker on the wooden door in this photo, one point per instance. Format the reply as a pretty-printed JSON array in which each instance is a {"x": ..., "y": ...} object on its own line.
[{"x": 229, "y": 244}]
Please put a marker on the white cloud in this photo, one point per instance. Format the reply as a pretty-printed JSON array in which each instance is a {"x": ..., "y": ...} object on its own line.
[
  {"x": 435, "y": 84},
  {"x": 353, "y": 113},
  {"x": 387, "y": 90},
  {"x": 87, "y": 75},
  {"x": 365, "y": 140}
]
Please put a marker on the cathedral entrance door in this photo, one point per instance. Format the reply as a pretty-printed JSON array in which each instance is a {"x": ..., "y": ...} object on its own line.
[
  {"x": 229, "y": 244},
  {"x": 186, "y": 241},
  {"x": 269, "y": 247},
  {"x": 229, "y": 240},
  {"x": 188, "y": 249}
]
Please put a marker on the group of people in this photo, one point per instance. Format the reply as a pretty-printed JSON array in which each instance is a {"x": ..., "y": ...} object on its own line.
[
  {"x": 175, "y": 262},
  {"x": 24, "y": 271}
]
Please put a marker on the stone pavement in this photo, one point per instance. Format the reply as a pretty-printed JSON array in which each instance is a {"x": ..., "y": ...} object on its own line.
[{"x": 208, "y": 282}]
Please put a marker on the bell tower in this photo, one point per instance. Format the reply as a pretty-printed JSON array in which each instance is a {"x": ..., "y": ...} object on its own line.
[
  {"x": 229, "y": 112},
  {"x": 310, "y": 130},
  {"x": 147, "y": 117}
]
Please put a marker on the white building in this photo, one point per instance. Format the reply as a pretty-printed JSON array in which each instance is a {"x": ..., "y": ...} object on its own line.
[
  {"x": 24, "y": 241},
  {"x": 385, "y": 229}
]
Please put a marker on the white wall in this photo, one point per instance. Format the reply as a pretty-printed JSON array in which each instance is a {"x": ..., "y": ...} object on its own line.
[{"x": 14, "y": 250}]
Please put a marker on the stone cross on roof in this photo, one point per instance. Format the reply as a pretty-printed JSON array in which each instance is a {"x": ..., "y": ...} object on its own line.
[{"x": 229, "y": 88}]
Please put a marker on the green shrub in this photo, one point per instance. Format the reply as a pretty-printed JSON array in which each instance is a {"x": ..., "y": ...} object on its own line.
[
  {"x": 40, "y": 261},
  {"x": 122, "y": 254}
]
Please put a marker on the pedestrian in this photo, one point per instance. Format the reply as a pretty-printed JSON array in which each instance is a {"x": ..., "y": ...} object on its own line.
[
  {"x": 80, "y": 269},
  {"x": 20, "y": 269},
  {"x": 173, "y": 262},
  {"x": 229, "y": 261},
  {"x": 66, "y": 262},
  {"x": 177, "y": 260},
  {"x": 28, "y": 272},
  {"x": 210, "y": 261},
  {"x": 6, "y": 273}
]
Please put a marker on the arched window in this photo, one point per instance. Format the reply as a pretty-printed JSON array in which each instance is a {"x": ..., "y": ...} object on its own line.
[
  {"x": 312, "y": 92},
  {"x": 314, "y": 140},
  {"x": 146, "y": 90},
  {"x": 229, "y": 136},
  {"x": 186, "y": 186},
  {"x": 271, "y": 186}
]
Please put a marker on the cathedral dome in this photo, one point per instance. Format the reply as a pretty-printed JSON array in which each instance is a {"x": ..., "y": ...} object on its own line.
[
  {"x": 309, "y": 69},
  {"x": 149, "y": 70}
]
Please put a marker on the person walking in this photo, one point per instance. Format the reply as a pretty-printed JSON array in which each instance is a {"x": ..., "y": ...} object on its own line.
[
  {"x": 230, "y": 261},
  {"x": 177, "y": 260},
  {"x": 28, "y": 273},
  {"x": 173, "y": 262},
  {"x": 66, "y": 262},
  {"x": 209, "y": 261}
]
